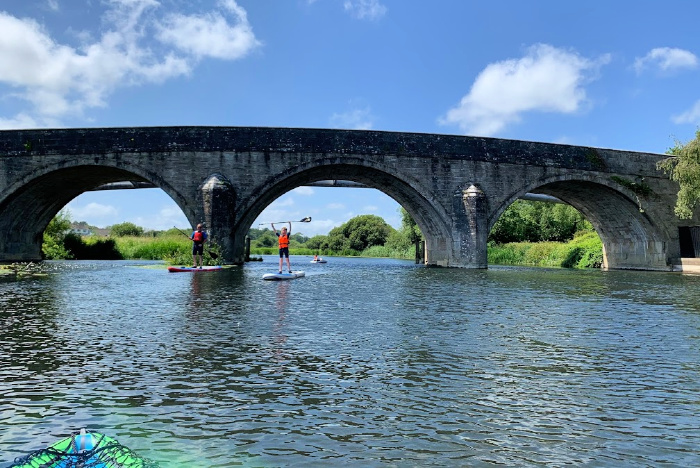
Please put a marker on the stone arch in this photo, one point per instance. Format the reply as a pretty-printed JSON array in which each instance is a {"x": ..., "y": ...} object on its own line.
[
  {"x": 28, "y": 206},
  {"x": 631, "y": 240},
  {"x": 429, "y": 214}
]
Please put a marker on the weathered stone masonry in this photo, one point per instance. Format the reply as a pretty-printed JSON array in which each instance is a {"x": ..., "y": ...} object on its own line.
[{"x": 455, "y": 187}]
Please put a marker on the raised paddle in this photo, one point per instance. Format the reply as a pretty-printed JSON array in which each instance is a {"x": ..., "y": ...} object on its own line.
[
  {"x": 211, "y": 254},
  {"x": 303, "y": 220}
]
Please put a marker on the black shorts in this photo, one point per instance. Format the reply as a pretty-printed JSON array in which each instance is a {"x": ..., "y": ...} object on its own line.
[
  {"x": 197, "y": 249},
  {"x": 284, "y": 252}
]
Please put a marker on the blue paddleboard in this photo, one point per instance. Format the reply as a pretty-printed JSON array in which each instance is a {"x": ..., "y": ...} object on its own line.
[{"x": 283, "y": 276}]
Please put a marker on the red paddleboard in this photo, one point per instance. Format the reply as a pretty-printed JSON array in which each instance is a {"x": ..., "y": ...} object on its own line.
[{"x": 184, "y": 269}]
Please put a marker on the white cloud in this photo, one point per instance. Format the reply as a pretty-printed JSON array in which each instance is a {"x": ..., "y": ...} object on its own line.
[
  {"x": 94, "y": 213},
  {"x": 365, "y": 9},
  {"x": 691, "y": 116},
  {"x": 370, "y": 208},
  {"x": 281, "y": 203},
  {"x": 210, "y": 34},
  {"x": 318, "y": 226},
  {"x": 356, "y": 119},
  {"x": 18, "y": 121},
  {"x": 666, "y": 59},
  {"x": 546, "y": 79},
  {"x": 279, "y": 214},
  {"x": 165, "y": 219},
  {"x": 58, "y": 80},
  {"x": 53, "y": 5},
  {"x": 335, "y": 206},
  {"x": 564, "y": 140},
  {"x": 304, "y": 190}
]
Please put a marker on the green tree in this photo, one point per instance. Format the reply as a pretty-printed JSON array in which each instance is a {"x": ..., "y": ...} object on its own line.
[
  {"x": 125, "y": 229},
  {"x": 410, "y": 227},
  {"x": 516, "y": 224},
  {"x": 336, "y": 241},
  {"x": 683, "y": 166},
  {"x": 53, "y": 247},
  {"x": 297, "y": 240},
  {"x": 364, "y": 231},
  {"x": 254, "y": 233},
  {"x": 531, "y": 221},
  {"x": 407, "y": 236},
  {"x": 317, "y": 242},
  {"x": 266, "y": 239}
]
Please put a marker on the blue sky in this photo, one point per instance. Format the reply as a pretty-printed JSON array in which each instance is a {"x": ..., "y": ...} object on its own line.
[{"x": 612, "y": 74}]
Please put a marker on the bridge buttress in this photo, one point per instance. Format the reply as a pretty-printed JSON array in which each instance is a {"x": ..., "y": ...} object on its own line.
[
  {"x": 218, "y": 204},
  {"x": 471, "y": 231}
]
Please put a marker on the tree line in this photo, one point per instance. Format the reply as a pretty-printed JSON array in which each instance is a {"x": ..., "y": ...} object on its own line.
[
  {"x": 351, "y": 238},
  {"x": 368, "y": 235}
]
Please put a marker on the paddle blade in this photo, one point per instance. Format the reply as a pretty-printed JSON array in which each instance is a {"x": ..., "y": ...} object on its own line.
[
  {"x": 213, "y": 255},
  {"x": 305, "y": 220}
]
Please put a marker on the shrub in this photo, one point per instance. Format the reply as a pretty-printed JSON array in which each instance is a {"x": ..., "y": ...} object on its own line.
[
  {"x": 94, "y": 249},
  {"x": 584, "y": 251},
  {"x": 126, "y": 229},
  {"x": 53, "y": 247}
]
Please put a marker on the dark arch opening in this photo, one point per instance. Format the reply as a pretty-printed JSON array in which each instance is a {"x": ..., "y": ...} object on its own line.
[
  {"x": 630, "y": 239},
  {"x": 433, "y": 223},
  {"x": 28, "y": 211}
]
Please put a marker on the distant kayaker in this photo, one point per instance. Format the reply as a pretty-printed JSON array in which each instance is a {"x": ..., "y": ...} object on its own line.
[
  {"x": 199, "y": 237},
  {"x": 283, "y": 240}
]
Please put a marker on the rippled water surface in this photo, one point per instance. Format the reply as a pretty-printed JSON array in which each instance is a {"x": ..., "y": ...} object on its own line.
[{"x": 363, "y": 362}]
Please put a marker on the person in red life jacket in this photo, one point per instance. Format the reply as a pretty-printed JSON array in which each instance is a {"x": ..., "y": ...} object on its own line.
[
  {"x": 199, "y": 237},
  {"x": 283, "y": 239}
]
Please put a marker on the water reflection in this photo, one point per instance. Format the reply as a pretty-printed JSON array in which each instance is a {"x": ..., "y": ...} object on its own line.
[
  {"x": 364, "y": 362},
  {"x": 28, "y": 320},
  {"x": 279, "y": 330}
]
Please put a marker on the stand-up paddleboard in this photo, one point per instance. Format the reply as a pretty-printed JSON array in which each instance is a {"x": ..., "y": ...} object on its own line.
[
  {"x": 183, "y": 269},
  {"x": 283, "y": 276},
  {"x": 318, "y": 261}
]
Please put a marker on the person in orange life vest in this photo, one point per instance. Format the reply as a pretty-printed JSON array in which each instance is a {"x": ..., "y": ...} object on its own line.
[
  {"x": 283, "y": 239},
  {"x": 199, "y": 237}
]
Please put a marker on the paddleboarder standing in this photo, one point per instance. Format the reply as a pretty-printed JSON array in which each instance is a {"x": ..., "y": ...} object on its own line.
[
  {"x": 283, "y": 240},
  {"x": 199, "y": 237}
]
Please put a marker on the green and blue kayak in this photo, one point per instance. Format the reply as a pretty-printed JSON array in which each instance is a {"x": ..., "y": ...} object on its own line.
[{"x": 84, "y": 450}]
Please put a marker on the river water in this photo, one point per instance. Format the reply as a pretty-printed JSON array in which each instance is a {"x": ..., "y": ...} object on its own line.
[{"x": 364, "y": 362}]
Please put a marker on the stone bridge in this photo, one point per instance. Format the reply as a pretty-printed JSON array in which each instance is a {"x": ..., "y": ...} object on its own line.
[{"x": 455, "y": 187}]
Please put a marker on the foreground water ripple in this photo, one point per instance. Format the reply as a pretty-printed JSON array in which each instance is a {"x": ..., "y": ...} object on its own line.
[{"x": 363, "y": 362}]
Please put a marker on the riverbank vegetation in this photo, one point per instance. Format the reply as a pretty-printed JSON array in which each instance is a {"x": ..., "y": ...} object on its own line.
[
  {"x": 527, "y": 233},
  {"x": 583, "y": 251},
  {"x": 544, "y": 234},
  {"x": 683, "y": 166}
]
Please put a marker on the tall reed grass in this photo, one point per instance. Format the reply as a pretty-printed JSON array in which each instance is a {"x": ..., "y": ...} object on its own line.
[
  {"x": 153, "y": 248},
  {"x": 584, "y": 251},
  {"x": 173, "y": 249}
]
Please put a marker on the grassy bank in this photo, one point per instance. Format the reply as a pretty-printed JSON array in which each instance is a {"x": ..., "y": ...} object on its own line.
[
  {"x": 154, "y": 248},
  {"x": 584, "y": 251},
  {"x": 376, "y": 251},
  {"x": 173, "y": 249}
]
